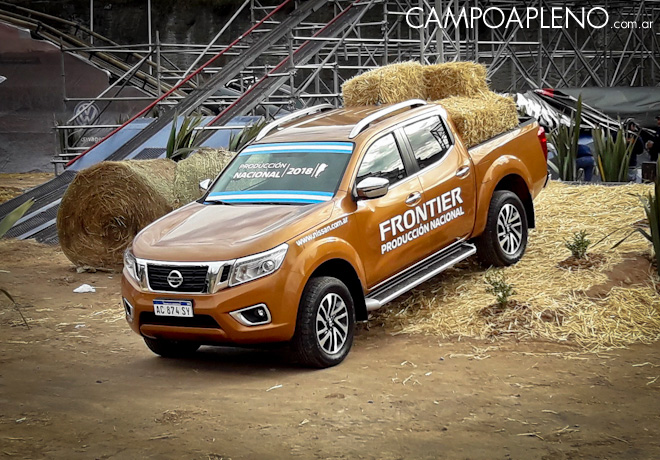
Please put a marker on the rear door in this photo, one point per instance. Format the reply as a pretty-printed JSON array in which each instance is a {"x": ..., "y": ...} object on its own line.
[
  {"x": 392, "y": 237},
  {"x": 447, "y": 179}
]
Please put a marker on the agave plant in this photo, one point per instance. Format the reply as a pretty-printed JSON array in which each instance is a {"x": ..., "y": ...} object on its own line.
[
  {"x": 181, "y": 143},
  {"x": 245, "y": 136},
  {"x": 565, "y": 139},
  {"x": 14, "y": 216},
  {"x": 612, "y": 154},
  {"x": 651, "y": 203}
]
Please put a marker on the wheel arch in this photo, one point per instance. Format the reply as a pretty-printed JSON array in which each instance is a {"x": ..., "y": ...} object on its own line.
[
  {"x": 344, "y": 271},
  {"x": 516, "y": 184}
]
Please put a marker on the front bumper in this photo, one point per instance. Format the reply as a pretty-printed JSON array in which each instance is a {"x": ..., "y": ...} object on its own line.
[{"x": 212, "y": 322}]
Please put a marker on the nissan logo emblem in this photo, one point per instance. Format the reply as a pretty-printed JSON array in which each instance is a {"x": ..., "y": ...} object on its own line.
[{"x": 175, "y": 279}]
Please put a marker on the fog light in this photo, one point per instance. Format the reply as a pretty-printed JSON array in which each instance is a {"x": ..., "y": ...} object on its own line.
[
  {"x": 256, "y": 315},
  {"x": 128, "y": 309}
]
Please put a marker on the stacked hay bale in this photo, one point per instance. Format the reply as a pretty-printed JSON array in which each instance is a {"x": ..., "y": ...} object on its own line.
[
  {"x": 478, "y": 119},
  {"x": 460, "y": 87},
  {"x": 385, "y": 85},
  {"x": 450, "y": 79},
  {"x": 107, "y": 204},
  {"x": 204, "y": 164}
]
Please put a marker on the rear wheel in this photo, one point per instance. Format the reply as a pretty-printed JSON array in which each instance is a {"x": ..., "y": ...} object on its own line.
[
  {"x": 171, "y": 348},
  {"x": 505, "y": 238},
  {"x": 326, "y": 323}
]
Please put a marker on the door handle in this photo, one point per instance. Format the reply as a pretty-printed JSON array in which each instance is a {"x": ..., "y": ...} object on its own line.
[
  {"x": 462, "y": 172},
  {"x": 413, "y": 198}
]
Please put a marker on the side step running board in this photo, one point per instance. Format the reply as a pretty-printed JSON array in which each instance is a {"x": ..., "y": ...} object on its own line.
[{"x": 418, "y": 274}]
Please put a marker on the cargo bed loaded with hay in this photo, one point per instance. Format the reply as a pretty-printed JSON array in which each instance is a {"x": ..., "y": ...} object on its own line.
[{"x": 327, "y": 215}]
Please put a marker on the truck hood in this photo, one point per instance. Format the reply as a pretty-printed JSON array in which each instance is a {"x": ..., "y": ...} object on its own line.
[{"x": 204, "y": 233}]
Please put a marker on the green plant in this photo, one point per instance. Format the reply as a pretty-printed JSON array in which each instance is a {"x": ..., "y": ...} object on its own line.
[
  {"x": 651, "y": 203},
  {"x": 180, "y": 143},
  {"x": 579, "y": 244},
  {"x": 499, "y": 287},
  {"x": 13, "y": 217},
  {"x": 245, "y": 136},
  {"x": 612, "y": 154},
  {"x": 565, "y": 139}
]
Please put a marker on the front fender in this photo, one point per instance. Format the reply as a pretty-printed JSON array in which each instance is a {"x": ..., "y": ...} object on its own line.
[{"x": 314, "y": 254}]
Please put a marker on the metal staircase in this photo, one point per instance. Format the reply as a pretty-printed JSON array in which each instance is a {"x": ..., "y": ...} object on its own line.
[{"x": 40, "y": 222}]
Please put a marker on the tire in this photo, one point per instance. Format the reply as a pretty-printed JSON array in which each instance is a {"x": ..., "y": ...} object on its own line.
[
  {"x": 171, "y": 348},
  {"x": 504, "y": 240},
  {"x": 324, "y": 299}
]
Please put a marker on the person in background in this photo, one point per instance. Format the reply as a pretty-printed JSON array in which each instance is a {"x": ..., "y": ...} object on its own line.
[
  {"x": 653, "y": 145},
  {"x": 585, "y": 161},
  {"x": 633, "y": 131}
]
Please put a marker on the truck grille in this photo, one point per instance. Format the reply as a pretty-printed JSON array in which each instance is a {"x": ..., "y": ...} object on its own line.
[{"x": 194, "y": 278}]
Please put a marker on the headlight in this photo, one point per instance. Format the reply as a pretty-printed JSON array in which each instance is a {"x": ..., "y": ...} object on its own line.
[
  {"x": 255, "y": 266},
  {"x": 134, "y": 268},
  {"x": 129, "y": 263}
]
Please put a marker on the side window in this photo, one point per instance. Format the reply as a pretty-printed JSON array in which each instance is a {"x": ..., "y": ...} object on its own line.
[
  {"x": 383, "y": 160},
  {"x": 429, "y": 140}
]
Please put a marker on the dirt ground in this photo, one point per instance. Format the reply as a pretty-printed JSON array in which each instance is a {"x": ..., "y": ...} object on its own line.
[
  {"x": 79, "y": 384},
  {"x": 12, "y": 185}
]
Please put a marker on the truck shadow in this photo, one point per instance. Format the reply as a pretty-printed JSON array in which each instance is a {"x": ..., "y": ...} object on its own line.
[{"x": 231, "y": 360}]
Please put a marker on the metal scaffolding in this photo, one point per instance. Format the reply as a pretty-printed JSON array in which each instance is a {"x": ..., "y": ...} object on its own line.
[{"x": 519, "y": 57}]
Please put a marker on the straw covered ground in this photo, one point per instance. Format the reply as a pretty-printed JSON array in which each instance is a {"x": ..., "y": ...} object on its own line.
[{"x": 580, "y": 307}]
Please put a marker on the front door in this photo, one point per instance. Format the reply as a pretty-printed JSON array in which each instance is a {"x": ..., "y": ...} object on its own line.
[{"x": 393, "y": 237}]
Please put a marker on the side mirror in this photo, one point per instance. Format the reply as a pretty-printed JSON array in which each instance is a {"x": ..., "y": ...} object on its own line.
[
  {"x": 204, "y": 185},
  {"x": 372, "y": 187}
]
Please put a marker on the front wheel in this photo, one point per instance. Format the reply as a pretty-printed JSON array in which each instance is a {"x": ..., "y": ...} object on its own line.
[
  {"x": 171, "y": 348},
  {"x": 505, "y": 238},
  {"x": 326, "y": 323}
]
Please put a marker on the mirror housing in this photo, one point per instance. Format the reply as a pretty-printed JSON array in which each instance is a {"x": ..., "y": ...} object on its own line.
[
  {"x": 204, "y": 185},
  {"x": 372, "y": 187}
]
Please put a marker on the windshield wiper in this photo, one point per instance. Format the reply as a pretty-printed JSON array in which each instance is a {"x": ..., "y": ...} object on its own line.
[
  {"x": 285, "y": 203},
  {"x": 225, "y": 203}
]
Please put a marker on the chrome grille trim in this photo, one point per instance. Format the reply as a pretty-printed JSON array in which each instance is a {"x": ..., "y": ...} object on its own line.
[{"x": 213, "y": 272}]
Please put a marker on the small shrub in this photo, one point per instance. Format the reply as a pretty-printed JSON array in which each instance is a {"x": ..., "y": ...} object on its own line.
[
  {"x": 499, "y": 287},
  {"x": 579, "y": 244}
]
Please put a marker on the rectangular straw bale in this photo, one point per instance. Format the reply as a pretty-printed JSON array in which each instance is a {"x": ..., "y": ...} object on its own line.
[
  {"x": 454, "y": 79},
  {"x": 400, "y": 82},
  {"x": 385, "y": 85},
  {"x": 362, "y": 89},
  {"x": 477, "y": 119}
]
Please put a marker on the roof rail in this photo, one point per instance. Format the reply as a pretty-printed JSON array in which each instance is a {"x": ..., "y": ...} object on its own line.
[
  {"x": 364, "y": 123},
  {"x": 292, "y": 116}
]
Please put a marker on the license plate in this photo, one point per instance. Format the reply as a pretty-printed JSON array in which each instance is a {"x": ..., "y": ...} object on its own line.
[{"x": 180, "y": 308}]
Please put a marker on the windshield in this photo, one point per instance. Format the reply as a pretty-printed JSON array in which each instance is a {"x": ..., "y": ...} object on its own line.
[{"x": 297, "y": 172}]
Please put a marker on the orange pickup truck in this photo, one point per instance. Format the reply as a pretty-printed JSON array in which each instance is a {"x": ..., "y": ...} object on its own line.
[{"x": 327, "y": 215}]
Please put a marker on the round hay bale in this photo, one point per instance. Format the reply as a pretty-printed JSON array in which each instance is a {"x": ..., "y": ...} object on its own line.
[
  {"x": 400, "y": 82},
  {"x": 107, "y": 204},
  {"x": 361, "y": 90},
  {"x": 477, "y": 119},
  {"x": 203, "y": 164},
  {"x": 449, "y": 79}
]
